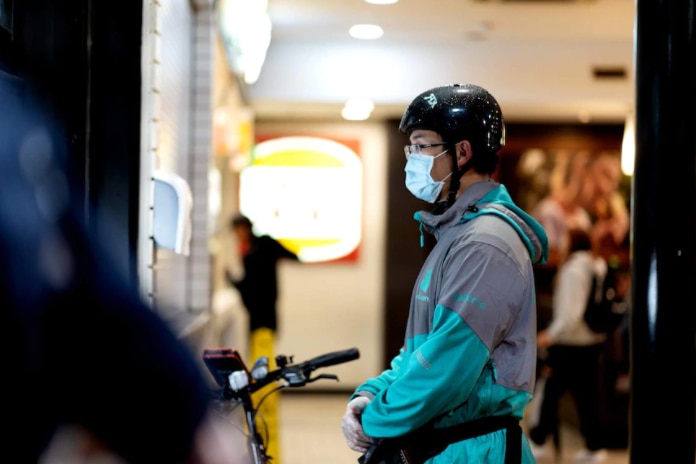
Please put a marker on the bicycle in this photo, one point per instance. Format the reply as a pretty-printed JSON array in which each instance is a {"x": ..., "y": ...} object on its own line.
[{"x": 236, "y": 383}]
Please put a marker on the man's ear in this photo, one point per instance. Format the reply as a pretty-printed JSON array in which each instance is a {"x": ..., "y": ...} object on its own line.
[{"x": 463, "y": 153}]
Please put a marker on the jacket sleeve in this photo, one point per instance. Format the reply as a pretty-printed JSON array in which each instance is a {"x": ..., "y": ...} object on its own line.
[
  {"x": 438, "y": 376},
  {"x": 376, "y": 384}
]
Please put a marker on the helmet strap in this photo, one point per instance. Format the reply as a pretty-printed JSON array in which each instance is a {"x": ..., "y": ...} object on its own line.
[{"x": 454, "y": 185}]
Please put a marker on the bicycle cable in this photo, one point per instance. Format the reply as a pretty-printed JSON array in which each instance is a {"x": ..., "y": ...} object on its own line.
[{"x": 263, "y": 398}]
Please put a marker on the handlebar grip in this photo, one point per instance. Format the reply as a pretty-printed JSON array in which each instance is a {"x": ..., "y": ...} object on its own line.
[{"x": 336, "y": 357}]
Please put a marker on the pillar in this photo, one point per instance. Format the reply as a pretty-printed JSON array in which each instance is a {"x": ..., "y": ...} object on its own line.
[{"x": 663, "y": 235}]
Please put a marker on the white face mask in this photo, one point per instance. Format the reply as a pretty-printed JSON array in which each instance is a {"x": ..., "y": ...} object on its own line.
[{"x": 418, "y": 180}]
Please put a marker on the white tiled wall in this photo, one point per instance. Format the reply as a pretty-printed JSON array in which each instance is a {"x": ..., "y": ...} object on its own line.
[
  {"x": 203, "y": 45},
  {"x": 177, "y": 129}
]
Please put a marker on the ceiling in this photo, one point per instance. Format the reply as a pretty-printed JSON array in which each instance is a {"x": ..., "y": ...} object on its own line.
[{"x": 539, "y": 58}]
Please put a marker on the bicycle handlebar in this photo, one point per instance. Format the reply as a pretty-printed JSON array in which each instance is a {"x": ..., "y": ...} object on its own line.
[
  {"x": 230, "y": 372},
  {"x": 298, "y": 375},
  {"x": 331, "y": 359}
]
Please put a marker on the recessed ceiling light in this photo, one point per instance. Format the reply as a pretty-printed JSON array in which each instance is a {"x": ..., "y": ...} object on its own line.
[
  {"x": 357, "y": 109},
  {"x": 366, "y": 31},
  {"x": 382, "y": 2}
]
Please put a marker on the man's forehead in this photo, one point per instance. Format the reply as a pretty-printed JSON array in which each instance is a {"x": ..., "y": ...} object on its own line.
[{"x": 423, "y": 133}]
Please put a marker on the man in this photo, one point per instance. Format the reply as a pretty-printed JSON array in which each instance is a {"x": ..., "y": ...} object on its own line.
[
  {"x": 258, "y": 289},
  {"x": 470, "y": 350},
  {"x": 259, "y": 285}
]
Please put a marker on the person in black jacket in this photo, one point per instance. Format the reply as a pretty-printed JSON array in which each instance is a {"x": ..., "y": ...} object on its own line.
[
  {"x": 258, "y": 288},
  {"x": 259, "y": 285}
]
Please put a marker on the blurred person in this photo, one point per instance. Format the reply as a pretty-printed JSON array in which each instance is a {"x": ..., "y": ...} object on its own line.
[
  {"x": 466, "y": 370},
  {"x": 610, "y": 215},
  {"x": 573, "y": 352},
  {"x": 258, "y": 288},
  {"x": 563, "y": 208},
  {"x": 560, "y": 210},
  {"x": 81, "y": 349}
]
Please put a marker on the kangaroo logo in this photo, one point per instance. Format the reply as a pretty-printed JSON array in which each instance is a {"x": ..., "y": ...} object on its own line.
[{"x": 431, "y": 100}]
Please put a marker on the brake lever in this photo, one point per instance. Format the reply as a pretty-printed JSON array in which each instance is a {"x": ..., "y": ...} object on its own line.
[{"x": 323, "y": 376}]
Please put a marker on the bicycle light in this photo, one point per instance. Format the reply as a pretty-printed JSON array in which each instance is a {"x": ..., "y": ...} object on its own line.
[
  {"x": 238, "y": 380},
  {"x": 260, "y": 369}
]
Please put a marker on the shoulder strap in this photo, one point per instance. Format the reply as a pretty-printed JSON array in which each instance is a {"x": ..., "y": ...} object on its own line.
[{"x": 522, "y": 228}]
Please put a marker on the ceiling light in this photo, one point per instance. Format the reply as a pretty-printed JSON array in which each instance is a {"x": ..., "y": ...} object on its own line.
[
  {"x": 366, "y": 31},
  {"x": 357, "y": 109},
  {"x": 382, "y": 2}
]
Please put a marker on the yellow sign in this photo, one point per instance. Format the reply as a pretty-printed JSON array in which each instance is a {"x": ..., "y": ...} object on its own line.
[{"x": 306, "y": 192}]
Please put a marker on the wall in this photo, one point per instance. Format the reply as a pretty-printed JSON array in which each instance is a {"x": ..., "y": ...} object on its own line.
[
  {"x": 333, "y": 306},
  {"x": 173, "y": 83},
  {"x": 177, "y": 131}
]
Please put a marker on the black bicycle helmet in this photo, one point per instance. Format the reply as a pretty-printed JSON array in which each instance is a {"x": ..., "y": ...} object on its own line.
[{"x": 458, "y": 112}]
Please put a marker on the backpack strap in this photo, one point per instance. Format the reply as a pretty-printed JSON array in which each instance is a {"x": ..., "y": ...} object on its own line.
[{"x": 524, "y": 230}]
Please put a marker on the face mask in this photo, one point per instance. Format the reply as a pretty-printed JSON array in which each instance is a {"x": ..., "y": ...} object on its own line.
[{"x": 418, "y": 180}]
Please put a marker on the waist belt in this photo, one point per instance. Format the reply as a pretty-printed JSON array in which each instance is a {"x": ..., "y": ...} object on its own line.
[{"x": 422, "y": 444}]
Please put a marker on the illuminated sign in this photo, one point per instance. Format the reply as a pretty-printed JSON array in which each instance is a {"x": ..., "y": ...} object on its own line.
[{"x": 306, "y": 192}]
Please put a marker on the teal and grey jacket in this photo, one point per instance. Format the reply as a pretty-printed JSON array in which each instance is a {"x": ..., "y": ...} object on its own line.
[{"x": 470, "y": 343}]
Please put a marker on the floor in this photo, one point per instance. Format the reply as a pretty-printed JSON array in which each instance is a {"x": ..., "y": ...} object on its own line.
[{"x": 310, "y": 433}]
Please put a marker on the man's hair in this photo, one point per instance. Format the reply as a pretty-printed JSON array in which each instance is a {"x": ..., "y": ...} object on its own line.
[
  {"x": 579, "y": 240},
  {"x": 240, "y": 220},
  {"x": 484, "y": 160}
]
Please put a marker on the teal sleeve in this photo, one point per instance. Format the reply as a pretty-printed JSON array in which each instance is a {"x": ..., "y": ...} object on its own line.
[
  {"x": 437, "y": 377},
  {"x": 381, "y": 382}
]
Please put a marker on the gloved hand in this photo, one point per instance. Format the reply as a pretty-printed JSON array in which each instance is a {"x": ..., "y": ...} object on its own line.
[{"x": 352, "y": 427}]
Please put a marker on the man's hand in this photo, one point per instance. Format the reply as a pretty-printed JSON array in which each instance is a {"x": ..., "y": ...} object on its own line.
[{"x": 352, "y": 427}]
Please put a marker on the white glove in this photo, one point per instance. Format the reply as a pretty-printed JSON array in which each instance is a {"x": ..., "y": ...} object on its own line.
[{"x": 352, "y": 427}]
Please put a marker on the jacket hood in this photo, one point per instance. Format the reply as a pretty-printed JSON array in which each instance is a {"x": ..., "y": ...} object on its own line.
[{"x": 489, "y": 197}]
